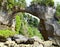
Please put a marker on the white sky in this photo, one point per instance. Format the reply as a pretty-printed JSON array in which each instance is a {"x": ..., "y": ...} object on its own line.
[
  {"x": 56, "y": 1},
  {"x": 28, "y": 2}
]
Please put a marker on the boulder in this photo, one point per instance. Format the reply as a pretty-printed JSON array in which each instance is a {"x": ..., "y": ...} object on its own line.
[
  {"x": 9, "y": 39},
  {"x": 1, "y": 44},
  {"x": 47, "y": 43},
  {"x": 10, "y": 43},
  {"x": 36, "y": 38},
  {"x": 36, "y": 44},
  {"x": 19, "y": 38}
]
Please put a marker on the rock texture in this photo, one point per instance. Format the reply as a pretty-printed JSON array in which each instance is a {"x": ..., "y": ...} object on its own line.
[
  {"x": 26, "y": 42},
  {"x": 36, "y": 44}
]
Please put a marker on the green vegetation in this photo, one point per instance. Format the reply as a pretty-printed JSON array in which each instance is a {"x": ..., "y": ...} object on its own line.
[
  {"x": 12, "y": 3},
  {"x": 24, "y": 27},
  {"x": 6, "y": 33},
  {"x": 18, "y": 23},
  {"x": 33, "y": 31},
  {"x": 25, "y": 24},
  {"x": 58, "y": 12},
  {"x": 44, "y": 2}
]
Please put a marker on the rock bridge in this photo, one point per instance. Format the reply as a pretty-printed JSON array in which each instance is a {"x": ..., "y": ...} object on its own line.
[
  {"x": 48, "y": 25},
  {"x": 46, "y": 16}
]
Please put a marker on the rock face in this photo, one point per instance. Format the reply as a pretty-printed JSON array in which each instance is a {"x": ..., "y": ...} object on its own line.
[
  {"x": 3, "y": 17},
  {"x": 4, "y": 21},
  {"x": 37, "y": 43},
  {"x": 40, "y": 13},
  {"x": 52, "y": 26},
  {"x": 48, "y": 26},
  {"x": 19, "y": 38}
]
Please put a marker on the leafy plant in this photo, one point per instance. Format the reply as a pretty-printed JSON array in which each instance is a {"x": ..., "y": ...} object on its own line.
[
  {"x": 44, "y": 2},
  {"x": 18, "y": 23},
  {"x": 33, "y": 31},
  {"x": 25, "y": 28},
  {"x": 7, "y": 33}
]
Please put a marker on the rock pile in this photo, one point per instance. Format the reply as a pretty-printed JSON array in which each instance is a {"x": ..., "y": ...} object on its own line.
[{"x": 22, "y": 41}]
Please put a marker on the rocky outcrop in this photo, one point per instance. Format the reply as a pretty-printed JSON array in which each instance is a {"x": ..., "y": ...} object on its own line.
[
  {"x": 26, "y": 42},
  {"x": 36, "y": 44},
  {"x": 36, "y": 10}
]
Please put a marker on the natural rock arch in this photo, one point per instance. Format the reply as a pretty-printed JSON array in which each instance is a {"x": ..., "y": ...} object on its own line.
[
  {"x": 38, "y": 11},
  {"x": 42, "y": 12},
  {"x": 34, "y": 9}
]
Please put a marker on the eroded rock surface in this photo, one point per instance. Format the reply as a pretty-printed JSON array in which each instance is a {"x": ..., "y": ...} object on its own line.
[{"x": 37, "y": 42}]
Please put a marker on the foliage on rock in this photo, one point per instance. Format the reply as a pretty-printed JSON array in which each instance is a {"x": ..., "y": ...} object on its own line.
[
  {"x": 6, "y": 33},
  {"x": 12, "y": 3},
  {"x": 44, "y": 2},
  {"x": 58, "y": 12},
  {"x": 25, "y": 27}
]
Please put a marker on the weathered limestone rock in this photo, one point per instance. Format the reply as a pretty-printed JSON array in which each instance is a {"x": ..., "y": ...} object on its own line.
[
  {"x": 13, "y": 25},
  {"x": 38, "y": 11},
  {"x": 52, "y": 26},
  {"x": 3, "y": 17},
  {"x": 37, "y": 39},
  {"x": 4, "y": 27},
  {"x": 37, "y": 43},
  {"x": 1, "y": 44},
  {"x": 9, "y": 39},
  {"x": 19, "y": 38},
  {"x": 47, "y": 43},
  {"x": 10, "y": 43},
  {"x": 4, "y": 20}
]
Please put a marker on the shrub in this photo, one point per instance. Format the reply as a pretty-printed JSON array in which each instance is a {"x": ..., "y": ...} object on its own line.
[
  {"x": 33, "y": 31},
  {"x": 18, "y": 23},
  {"x": 24, "y": 28},
  {"x": 6, "y": 33}
]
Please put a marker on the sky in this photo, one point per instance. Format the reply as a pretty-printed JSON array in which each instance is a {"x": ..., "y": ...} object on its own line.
[
  {"x": 56, "y": 1},
  {"x": 28, "y": 2}
]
